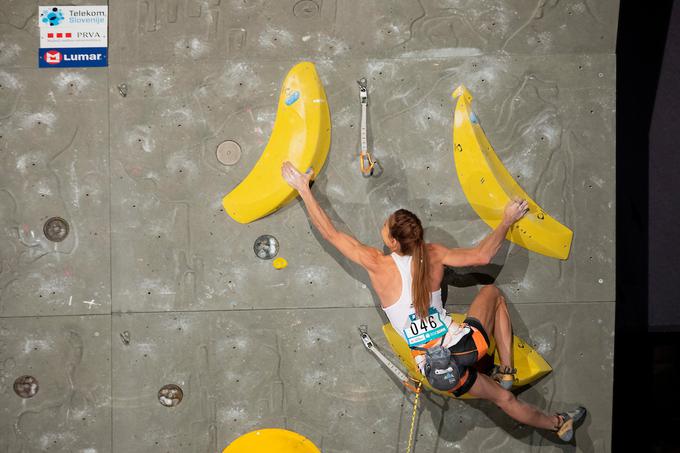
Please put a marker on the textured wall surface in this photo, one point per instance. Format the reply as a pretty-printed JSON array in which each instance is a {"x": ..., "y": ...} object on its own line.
[{"x": 151, "y": 253}]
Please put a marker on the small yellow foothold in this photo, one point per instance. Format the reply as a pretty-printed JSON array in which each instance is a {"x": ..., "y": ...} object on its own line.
[{"x": 279, "y": 263}]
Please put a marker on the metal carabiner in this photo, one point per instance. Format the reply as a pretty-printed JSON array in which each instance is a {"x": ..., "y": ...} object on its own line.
[
  {"x": 363, "y": 90},
  {"x": 369, "y": 166},
  {"x": 366, "y": 163},
  {"x": 363, "y": 332}
]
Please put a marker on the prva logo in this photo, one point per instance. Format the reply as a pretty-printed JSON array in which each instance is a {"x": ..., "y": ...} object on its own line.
[{"x": 89, "y": 34}]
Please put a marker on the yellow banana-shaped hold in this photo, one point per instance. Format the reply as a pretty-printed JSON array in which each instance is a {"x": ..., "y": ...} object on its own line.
[
  {"x": 301, "y": 135},
  {"x": 488, "y": 186}
]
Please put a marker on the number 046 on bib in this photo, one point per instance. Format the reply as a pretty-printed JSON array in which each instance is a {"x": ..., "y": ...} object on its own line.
[{"x": 420, "y": 331}]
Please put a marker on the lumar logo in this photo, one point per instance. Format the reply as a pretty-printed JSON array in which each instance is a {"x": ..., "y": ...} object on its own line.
[
  {"x": 56, "y": 57},
  {"x": 53, "y": 57},
  {"x": 53, "y": 17},
  {"x": 83, "y": 57}
]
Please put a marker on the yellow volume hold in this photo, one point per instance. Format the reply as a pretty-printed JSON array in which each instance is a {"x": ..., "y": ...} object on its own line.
[
  {"x": 530, "y": 365},
  {"x": 272, "y": 440},
  {"x": 301, "y": 135},
  {"x": 488, "y": 186}
]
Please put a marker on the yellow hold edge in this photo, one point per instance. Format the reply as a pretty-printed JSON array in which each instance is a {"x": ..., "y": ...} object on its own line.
[
  {"x": 488, "y": 186},
  {"x": 462, "y": 91},
  {"x": 530, "y": 365},
  {"x": 301, "y": 135}
]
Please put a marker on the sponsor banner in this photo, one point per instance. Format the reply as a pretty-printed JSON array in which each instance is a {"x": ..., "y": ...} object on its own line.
[
  {"x": 73, "y": 36},
  {"x": 65, "y": 57}
]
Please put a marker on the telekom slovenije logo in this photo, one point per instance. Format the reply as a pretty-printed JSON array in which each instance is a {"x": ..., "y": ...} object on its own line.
[
  {"x": 53, "y": 17},
  {"x": 53, "y": 57}
]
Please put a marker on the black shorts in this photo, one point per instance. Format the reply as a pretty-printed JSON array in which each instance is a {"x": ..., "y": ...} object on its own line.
[{"x": 467, "y": 355}]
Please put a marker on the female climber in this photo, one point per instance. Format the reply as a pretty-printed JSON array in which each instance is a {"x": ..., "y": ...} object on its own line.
[{"x": 407, "y": 282}]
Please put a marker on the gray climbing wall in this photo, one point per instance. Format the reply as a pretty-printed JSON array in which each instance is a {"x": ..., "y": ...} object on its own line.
[{"x": 151, "y": 255}]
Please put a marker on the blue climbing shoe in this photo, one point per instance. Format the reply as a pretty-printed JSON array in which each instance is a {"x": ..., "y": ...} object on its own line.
[{"x": 565, "y": 430}]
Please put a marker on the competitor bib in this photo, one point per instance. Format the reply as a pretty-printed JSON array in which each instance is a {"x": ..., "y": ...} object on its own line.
[{"x": 420, "y": 331}]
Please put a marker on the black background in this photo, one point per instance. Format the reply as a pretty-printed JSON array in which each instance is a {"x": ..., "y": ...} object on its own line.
[
  {"x": 664, "y": 184},
  {"x": 646, "y": 411}
]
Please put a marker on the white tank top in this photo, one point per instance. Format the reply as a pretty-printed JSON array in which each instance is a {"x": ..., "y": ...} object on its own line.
[{"x": 398, "y": 313}]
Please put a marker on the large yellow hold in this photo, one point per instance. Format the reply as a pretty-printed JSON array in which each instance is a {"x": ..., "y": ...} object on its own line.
[
  {"x": 529, "y": 363},
  {"x": 301, "y": 135},
  {"x": 272, "y": 441},
  {"x": 488, "y": 186}
]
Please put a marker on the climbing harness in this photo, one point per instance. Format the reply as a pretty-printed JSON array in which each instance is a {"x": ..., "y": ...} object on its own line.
[
  {"x": 366, "y": 162},
  {"x": 413, "y": 418},
  {"x": 368, "y": 342}
]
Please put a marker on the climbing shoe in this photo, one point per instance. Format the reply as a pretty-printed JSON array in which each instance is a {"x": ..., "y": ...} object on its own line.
[
  {"x": 565, "y": 430},
  {"x": 505, "y": 376}
]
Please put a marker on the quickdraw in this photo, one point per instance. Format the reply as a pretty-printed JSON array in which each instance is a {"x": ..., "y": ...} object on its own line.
[
  {"x": 367, "y": 164},
  {"x": 368, "y": 342}
]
